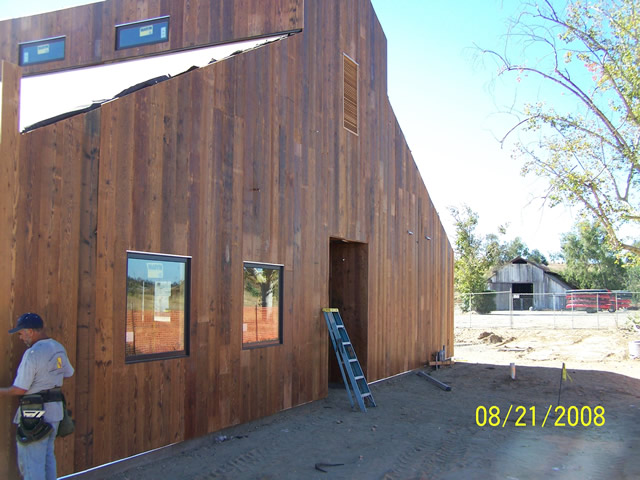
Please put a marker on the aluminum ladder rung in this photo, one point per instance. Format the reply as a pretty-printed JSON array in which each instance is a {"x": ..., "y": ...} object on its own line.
[{"x": 347, "y": 360}]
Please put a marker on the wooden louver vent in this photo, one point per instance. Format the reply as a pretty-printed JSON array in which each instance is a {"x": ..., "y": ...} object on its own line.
[{"x": 350, "y": 95}]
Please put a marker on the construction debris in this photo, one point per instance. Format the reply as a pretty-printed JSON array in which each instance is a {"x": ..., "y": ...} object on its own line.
[
  {"x": 440, "y": 358},
  {"x": 319, "y": 466},
  {"x": 435, "y": 381},
  {"x": 442, "y": 363}
]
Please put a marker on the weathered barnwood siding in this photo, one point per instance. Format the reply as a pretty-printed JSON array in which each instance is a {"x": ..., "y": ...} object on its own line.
[
  {"x": 548, "y": 290},
  {"x": 243, "y": 160}
]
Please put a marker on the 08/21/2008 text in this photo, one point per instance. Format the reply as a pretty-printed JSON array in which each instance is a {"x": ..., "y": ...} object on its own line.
[{"x": 571, "y": 416}]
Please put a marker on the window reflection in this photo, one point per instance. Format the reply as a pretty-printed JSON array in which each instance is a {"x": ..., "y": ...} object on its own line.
[
  {"x": 156, "y": 306},
  {"x": 261, "y": 321}
]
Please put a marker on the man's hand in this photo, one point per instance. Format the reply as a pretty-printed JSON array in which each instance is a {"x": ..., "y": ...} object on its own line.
[{"x": 12, "y": 391}]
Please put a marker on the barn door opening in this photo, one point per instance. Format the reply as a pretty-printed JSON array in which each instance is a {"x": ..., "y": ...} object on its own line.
[
  {"x": 348, "y": 291},
  {"x": 522, "y": 296}
]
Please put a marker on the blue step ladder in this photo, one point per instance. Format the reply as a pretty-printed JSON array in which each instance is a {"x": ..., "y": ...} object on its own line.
[{"x": 352, "y": 374}]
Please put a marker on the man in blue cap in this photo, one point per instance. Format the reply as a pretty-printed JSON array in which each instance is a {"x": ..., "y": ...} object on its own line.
[{"x": 40, "y": 374}]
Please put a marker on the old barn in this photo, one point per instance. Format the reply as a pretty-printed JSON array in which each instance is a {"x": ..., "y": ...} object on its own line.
[
  {"x": 182, "y": 239},
  {"x": 531, "y": 286}
]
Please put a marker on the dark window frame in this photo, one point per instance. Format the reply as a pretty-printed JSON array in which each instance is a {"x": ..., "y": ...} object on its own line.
[
  {"x": 36, "y": 43},
  {"x": 141, "y": 23},
  {"x": 186, "y": 260},
  {"x": 280, "y": 268}
]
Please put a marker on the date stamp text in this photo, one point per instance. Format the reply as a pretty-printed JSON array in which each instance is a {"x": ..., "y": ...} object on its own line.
[{"x": 561, "y": 416}]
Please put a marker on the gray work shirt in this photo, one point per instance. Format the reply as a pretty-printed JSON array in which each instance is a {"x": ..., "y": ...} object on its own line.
[{"x": 44, "y": 366}]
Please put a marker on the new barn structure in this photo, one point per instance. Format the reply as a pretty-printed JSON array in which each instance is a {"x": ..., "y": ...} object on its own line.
[{"x": 181, "y": 240}]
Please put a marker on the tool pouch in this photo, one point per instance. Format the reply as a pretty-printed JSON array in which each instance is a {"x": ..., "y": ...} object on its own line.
[
  {"x": 31, "y": 426},
  {"x": 67, "y": 425}
]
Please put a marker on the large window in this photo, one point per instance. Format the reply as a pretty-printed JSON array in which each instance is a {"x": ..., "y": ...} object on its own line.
[
  {"x": 262, "y": 315},
  {"x": 157, "y": 306}
]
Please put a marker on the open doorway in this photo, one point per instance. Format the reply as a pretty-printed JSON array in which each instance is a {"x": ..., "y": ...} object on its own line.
[
  {"x": 522, "y": 296},
  {"x": 348, "y": 292}
]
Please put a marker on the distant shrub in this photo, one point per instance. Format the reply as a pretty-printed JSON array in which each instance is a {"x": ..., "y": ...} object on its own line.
[
  {"x": 484, "y": 303},
  {"x": 464, "y": 302}
]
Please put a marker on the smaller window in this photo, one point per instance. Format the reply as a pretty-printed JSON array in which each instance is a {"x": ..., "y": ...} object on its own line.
[
  {"x": 262, "y": 315},
  {"x": 157, "y": 323},
  {"x": 145, "y": 32},
  {"x": 41, "y": 51}
]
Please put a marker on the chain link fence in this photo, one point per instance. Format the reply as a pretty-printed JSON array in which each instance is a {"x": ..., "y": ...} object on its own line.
[{"x": 574, "y": 309}]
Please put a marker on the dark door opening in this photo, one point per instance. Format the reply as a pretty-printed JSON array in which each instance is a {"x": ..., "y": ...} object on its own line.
[
  {"x": 348, "y": 292},
  {"x": 522, "y": 296}
]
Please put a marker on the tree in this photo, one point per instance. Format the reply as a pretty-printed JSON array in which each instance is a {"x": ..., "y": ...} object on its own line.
[
  {"x": 471, "y": 262},
  {"x": 499, "y": 253},
  {"x": 590, "y": 260},
  {"x": 261, "y": 284},
  {"x": 589, "y": 153},
  {"x": 536, "y": 256},
  {"x": 633, "y": 283}
]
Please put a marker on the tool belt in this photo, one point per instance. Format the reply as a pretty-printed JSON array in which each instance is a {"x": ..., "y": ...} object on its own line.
[
  {"x": 51, "y": 395},
  {"x": 31, "y": 424}
]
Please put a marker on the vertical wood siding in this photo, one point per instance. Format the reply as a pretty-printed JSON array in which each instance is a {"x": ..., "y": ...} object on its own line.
[
  {"x": 9, "y": 347},
  {"x": 91, "y": 36},
  {"x": 243, "y": 160}
]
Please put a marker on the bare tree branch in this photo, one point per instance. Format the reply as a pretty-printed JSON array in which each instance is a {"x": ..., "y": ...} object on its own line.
[{"x": 591, "y": 160}]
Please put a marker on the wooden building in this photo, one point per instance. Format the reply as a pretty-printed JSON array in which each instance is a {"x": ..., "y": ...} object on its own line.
[
  {"x": 181, "y": 240},
  {"x": 529, "y": 285}
]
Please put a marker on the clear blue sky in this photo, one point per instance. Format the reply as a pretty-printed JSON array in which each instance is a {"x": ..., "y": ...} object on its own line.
[
  {"x": 448, "y": 98},
  {"x": 447, "y": 102}
]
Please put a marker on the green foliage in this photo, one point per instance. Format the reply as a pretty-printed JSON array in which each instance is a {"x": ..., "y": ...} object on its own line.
[
  {"x": 633, "y": 280},
  {"x": 471, "y": 264},
  {"x": 590, "y": 260},
  {"x": 536, "y": 256},
  {"x": 484, "y": 303},
  {"x": 632, "y": 266},
  {"x": 499, "y": 253},
  {"x": 515, "y": 248},
  {"x": 590, "y": 153},
  {"x": 261, "y": 285}
]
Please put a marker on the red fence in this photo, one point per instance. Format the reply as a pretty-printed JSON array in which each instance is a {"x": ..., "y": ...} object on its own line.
[
  {"x": 154, "y": 332},
  {"x": 260, "y": 324}
]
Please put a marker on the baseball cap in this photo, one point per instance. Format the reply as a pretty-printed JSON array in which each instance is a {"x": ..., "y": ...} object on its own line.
[{"x": 28, "y": 320}]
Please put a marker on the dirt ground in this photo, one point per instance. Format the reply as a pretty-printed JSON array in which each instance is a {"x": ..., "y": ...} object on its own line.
[{"x": 419, "y": 431}]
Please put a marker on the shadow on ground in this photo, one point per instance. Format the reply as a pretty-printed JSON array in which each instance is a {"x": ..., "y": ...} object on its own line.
[{"x": 419, "y": 431}]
